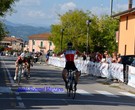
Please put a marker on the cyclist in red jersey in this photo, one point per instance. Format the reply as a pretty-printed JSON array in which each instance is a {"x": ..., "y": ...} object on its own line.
[
  {"x": 20, "y": 60},
  {"x": 69, "y": 56}
]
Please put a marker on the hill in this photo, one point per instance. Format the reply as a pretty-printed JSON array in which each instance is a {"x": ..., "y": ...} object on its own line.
[{"x": 23, "y": 31}]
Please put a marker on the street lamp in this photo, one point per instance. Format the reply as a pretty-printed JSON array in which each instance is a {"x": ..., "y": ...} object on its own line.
[
  {"x": 62, "y": 30},
  {"x": 88, "y": 29}
]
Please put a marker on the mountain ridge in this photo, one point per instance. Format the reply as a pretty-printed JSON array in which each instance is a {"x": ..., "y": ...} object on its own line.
[{"x": 23, "y": 31}]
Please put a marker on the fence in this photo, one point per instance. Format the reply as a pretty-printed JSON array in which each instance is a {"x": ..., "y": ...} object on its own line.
[{"x": 110, "y": 71}]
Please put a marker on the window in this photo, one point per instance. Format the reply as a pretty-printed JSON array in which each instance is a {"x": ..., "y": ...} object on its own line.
[
  {"x": 33, "y": 41},
  {"x": 41, "y": 44},
  {"x": 126, "y": 22},
  {"x": 33, "y": 50},
  {"x": 50, "y": 43}
]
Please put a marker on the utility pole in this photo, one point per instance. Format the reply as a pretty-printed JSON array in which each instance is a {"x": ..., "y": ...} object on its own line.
[
  {"x": 111, "y": 5},
  {"x": 130, "y": 2},
  {"x": 62, "y": 30}
]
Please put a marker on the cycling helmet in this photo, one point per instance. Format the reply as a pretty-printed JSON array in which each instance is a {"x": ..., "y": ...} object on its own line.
[
  {"x": 69, "y": 44},
  {"x": 22, "y": 55}
]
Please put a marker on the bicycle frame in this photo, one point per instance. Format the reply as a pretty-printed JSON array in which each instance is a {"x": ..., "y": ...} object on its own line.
[
  {"x": 21, "y": 70},
  {"x": 20, "y": 73},
  {"x": 71, "y": 83}
]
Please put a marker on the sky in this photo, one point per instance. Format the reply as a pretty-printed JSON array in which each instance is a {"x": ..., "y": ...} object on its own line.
[{"x": 45, "y": 12}]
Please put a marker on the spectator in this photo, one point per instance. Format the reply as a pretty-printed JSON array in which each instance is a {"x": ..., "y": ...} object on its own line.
[
  {"x": 98, "y": 57},
  {"x": 84, "y": 55},
  {"x": 108, "y": 58},
  {"x": 40, "y": 57},
  {"x": 92, "y": 57},
  {"x": 119, "y": 60},
  {"x": 103, "y": 58},
  {"x": 114, "y": 57},
  {"x": 47, "y": 56}
]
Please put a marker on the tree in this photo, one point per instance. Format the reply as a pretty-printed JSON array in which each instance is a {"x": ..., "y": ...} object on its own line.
[
  {"x": 2, "y": 31},
  {"x": 106, "y": 37},
  {"x": 5, "y": 6},
  {"x": 74, "y": 25},
  {"x": 1, "y": 48},
  {"x": 101, "y": 31}
]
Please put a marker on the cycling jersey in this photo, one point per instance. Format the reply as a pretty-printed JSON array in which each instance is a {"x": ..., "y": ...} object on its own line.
[
  {"x": 20, "y": 61},
  {"x": 70, "y": 54}
]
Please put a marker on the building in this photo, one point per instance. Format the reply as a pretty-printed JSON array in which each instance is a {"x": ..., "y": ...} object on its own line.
[
  {"x": 40, "y": 43},
  {"x": 12, "y": 43},
  {"x": 126, "y": 33}
]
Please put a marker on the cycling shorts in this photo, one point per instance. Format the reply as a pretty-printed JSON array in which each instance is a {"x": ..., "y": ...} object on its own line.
[{"x": 70, "y": 65}]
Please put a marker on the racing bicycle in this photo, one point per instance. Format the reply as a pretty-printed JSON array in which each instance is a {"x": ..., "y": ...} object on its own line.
[
  {"x": 71, "y": 89},
  {"x": 22, "y": 71}
]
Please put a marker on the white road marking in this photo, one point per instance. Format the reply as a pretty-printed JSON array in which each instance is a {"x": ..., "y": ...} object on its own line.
[
  {"x": 5, "y": 90},
  {"x": 128, "y": 94},
  {"x": 108, "y": 94},
  {"x": 21, "y": 104},
  {"x": 9, "y": 75},
  {"x": 80, "y": 91}
]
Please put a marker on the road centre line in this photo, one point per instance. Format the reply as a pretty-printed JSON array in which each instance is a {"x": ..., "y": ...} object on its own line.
[
  {"x": 21, "y": 104},
  {"x": 9, "y": 75}
]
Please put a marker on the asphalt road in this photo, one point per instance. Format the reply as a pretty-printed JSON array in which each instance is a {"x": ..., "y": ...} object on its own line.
[{"x": 45, "y": 90}]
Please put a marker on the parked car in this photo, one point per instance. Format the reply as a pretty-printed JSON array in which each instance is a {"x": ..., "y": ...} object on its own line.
[{"x": 128, "y": 59}]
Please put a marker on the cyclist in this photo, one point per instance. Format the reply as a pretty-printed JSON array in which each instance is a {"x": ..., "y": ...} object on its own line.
[
  {"x": 29, "y": 59},
  {"x": 20, "y": 60},
  {"x": 69, "y": 56}
]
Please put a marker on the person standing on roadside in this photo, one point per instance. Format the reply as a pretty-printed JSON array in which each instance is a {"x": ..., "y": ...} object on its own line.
[{"x": 47, "y": 56}]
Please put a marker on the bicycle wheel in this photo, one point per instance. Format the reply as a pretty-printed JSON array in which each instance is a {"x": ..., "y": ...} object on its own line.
[
  {"x": 19, "y": 77},
  {"x": 19, "y": 74},
  {"x": 73, "y": 90},
  {"x": 68, "y": 89},
  {"x": 26, "y": 75}
]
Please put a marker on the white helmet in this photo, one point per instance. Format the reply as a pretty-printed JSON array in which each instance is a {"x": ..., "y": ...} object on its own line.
[{"x": 22, "y": 55}]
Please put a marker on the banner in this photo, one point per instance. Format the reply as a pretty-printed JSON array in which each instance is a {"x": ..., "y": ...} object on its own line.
[{"x": 110, "y": 71}]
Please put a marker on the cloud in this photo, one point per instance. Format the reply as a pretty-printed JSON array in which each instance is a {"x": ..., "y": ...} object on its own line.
[
  {"x": 29, "y": 3},
  {"x": 100, "y": 10},
  {"x": 31, "y": 11},
  {"x": 120, "y": 7},
  {"x": 36, "y": 14},
  {"x": 67, "y": 6}
]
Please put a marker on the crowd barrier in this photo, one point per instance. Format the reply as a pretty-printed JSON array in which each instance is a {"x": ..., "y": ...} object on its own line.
[
  {"x": 110, "y": 71},
  {"x": 131, "y": 76}
]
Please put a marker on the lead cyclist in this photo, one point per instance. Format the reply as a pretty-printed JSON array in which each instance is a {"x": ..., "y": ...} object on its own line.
[{"x": 69, "y": 56}]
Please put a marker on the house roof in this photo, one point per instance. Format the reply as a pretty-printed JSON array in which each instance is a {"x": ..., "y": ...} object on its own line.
[
  {"x": 43, "y": 36},
  {"x": 124, "y": 12},
  {"x": 11, "y": 39}
]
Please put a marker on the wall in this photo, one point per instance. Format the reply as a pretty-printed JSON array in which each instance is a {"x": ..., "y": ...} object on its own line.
[
  {"x": 127, "y": 37},
  {"x": 37, "y": 46}
]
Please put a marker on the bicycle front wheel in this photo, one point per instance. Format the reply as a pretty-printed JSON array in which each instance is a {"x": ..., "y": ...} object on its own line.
[
  {"x": 68, "y": 90},
  {"x": 73, "y": 90},
  {"x": 19, "y": 77}
]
